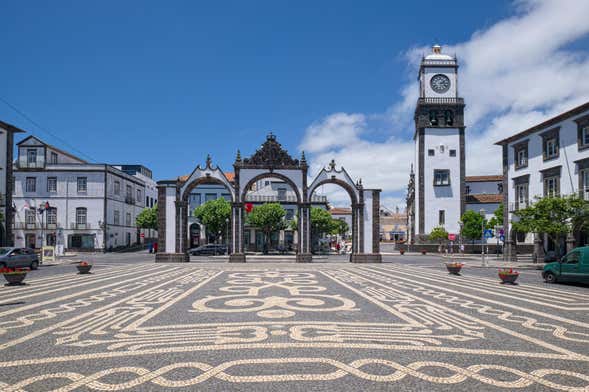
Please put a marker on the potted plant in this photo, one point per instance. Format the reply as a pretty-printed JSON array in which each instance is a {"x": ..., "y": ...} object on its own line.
[
  {"x": 15, "y": 276},
  {"x": 454, "y": 267},
  {"x": 423, "y": 251},
  {"x": 402, "y": 252},
  {"x": 84, "y": 267},
  {"x": 508, "y": 275}
]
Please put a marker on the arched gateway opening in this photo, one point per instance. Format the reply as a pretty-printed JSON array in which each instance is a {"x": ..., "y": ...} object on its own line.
[{"x": 270, "y": 161}]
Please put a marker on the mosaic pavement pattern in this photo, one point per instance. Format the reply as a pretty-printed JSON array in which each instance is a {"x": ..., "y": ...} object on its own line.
[{"x": 290, "y": 327}]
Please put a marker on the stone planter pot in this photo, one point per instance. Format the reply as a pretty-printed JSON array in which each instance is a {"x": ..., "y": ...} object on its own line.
[
  {"x": 508, "y": 278},
  {"x": 84, "y": 269},
  {"x": 423, "y": 252},
  {"x": 453, "y": 269},
  {"x": 402, "y": 252},
  {"x": 15, "y": 279}
]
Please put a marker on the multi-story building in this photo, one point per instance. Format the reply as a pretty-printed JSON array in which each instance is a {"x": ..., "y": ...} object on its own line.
[
  {"x": 548, "y": 159},
  {"x": 7, "y": 132},
  {"x": 62, "y": 200},
  {"x": 439, "y": 146},
  {"x": 393, "y": 225}
]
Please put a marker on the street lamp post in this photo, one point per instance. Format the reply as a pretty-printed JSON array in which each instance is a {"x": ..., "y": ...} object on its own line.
[
  {"x": 482, "y": 212},
  {"x": 43, "y": 207},
  {"x": 460, "y": 224}
]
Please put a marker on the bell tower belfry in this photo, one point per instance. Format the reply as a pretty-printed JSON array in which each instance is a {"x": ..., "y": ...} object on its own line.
[{"x": 439, "y": 145}]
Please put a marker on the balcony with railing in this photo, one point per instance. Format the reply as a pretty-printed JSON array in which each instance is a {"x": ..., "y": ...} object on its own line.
[
  {"x": 129, "y": 199},
  {"x": 440, "y": 100},
  {"x": 515, "y": 206},
  {"x": 25, "y": 162},
  {"x": 283, "y": 199},
  {"x": 80, "y": 226}
]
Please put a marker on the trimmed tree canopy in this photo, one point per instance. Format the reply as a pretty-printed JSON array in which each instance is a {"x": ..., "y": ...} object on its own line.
[
  {"x": 438, "y": 234},
  {"x": 214, "y": 215},
  {"x": 472, "y": 222},
  {"x": 147, "y": 219}
]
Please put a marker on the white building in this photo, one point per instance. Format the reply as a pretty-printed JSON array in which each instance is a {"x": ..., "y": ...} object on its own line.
[
  {"x": 62, "y": 200},
  {"x": 551, "y": 158},
  {"x": 7, "y": 132},
  {"x": 439, "y": 147}
]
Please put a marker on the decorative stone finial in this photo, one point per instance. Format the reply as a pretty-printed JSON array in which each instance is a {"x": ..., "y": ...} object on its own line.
[
  {"x": 303, "y": 158},
  {"x": 332, "y": 165},
  {"x": 209, "y": 160},
  {"x": 271, "y": 136},
  {"x": 238, "y": 157}
]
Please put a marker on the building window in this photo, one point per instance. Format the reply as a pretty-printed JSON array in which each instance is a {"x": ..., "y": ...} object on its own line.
[
  {"x": 128, "y": 219},
  {"x": 584, "y": 178},
  {"x": 583, "y": 132},
  {"x": 82, "y": 184},
  {"x": 282, "y": 194},
  {"x": 31, "y": 184},
  {"x": 52, "y": 184},
  {"x": 585, "y": 136},
  {"x": 550, "y": 144},
  {"x": 442, "y": 217},
  {"x": 431, "y": 152},
  {"x": 117, "y": 188},
  {"x": 499, "y": 188},
  {"x": 226, "y": 196},
  {"x": 139, "y": 197},
  {"x": 521, "y": 155},
  {"x": 53, "y": 158},
  {"x": 30, "y": 217},
  {"x": 289, "y": 215},
  {"x": 117, "y": 217},
  {"x": 551, "y": 186},
  {"x": 441, "y": 177},
  {"x": 81, "y": 215},
  {"x": 51, "y": 216},
  {"x": 210, "y": 197},
  {"x": 521, "y": 196},
  {"x": 467, "y": 190},
  {"x": 452, "y": 153},
  {"x": 32, "y": 156},
  {"x": 147, "y": 201}
]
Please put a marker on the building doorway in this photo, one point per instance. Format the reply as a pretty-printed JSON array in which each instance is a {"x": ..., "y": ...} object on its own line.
[
  {"x": 194, "y": 235},
  {"x": 31, "y": 240}
]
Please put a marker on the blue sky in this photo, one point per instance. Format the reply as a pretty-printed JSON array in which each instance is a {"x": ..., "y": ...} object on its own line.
[{"x": 163, "y": 84}]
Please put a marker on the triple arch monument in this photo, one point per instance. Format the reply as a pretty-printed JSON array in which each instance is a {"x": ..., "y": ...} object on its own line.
[{"x": 269, "y": 161}]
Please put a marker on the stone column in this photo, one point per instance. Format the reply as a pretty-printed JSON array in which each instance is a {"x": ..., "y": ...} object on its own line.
[
  {"x": 237, "y": 253},
  {"x": 172, "y": 225},
  {"x": 305, "y": 256},
  {"x": 360, "y": 229},
  {"x": 538, "y": 248},
  {"x": 570, "y": 241}
]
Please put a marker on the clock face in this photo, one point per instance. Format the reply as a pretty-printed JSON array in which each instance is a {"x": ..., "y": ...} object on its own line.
[{"x": 440, "y": 83}]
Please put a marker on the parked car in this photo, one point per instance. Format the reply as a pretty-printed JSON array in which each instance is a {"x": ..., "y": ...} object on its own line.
[
  {"x": 208, "y": 249},
  {"x": 572, "y": 267},
  {"x": 19, "y": 258}
]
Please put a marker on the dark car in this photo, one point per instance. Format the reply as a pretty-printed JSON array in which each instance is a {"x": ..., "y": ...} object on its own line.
[
  {"x": 208, "y": 249},
  {"x": 18, "y": 258},
  {"x": 550, "y": 257}
]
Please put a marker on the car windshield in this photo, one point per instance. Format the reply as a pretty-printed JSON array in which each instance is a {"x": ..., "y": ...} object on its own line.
[{"x": 4, "y": 251}]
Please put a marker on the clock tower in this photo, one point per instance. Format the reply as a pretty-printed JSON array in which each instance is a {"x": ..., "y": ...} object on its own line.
[{"x": 439, "y": 146}]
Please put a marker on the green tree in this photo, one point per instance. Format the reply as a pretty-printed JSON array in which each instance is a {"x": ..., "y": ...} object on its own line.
[
  {"x": 554, "y": 216},
  {"x": 472, "y": 222},
  {"x": 340, "y": 226},
  {"x": 438, "y": 234},
  {"x": 147, "y": 219},
  {"x": 214, "y": 214},
  {"x": 497, "y": 219},
  {"x": 321, "y": 221},
  {"x": 269, "y": 218}
]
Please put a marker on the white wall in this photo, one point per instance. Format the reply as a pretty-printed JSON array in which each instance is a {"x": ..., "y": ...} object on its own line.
[
  {"x": 429, "y": 72},
  {"x": 445, "y": 198}
]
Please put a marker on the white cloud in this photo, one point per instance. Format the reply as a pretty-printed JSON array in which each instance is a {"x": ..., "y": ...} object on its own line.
[{"x": 514, "y": 74}]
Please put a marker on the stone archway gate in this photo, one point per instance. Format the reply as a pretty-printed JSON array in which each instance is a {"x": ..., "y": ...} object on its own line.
[{"x": 269, "y": 161}]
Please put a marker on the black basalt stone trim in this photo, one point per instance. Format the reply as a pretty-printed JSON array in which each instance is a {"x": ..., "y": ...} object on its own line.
[
  {"x": 161, "y": 218},
  {"x": 421, "y": 179},
  {"x": 462, "y": 173},
  {"x": 551, "y": 172},
  {"x": 9, "y": 213},
  {"x": 376, "y": 221},
  {"x": 525, "y": 179},
  {"x": 505, "y": 189}
]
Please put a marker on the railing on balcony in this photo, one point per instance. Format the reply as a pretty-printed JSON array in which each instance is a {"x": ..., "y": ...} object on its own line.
[
  {"x": 80, "y": 226},
  {"x": 515, "y": 206},
  {"x": 285, "y": 199},
  {"x": 441, "y": 100},
  {"x": 438, "y": 62},
  {"x": 24, "y": 163},
  {"x": 26, "y": 226}
]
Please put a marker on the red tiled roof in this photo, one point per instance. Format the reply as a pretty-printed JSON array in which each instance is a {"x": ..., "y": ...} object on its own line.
[
  {"x": 340, "y": 211},
  {"x": 483, "y": 178},
  {"x": 482, "y": 198}
]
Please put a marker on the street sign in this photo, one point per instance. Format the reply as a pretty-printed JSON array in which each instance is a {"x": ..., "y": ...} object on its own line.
[
  {"x": 451, "y": 237},
  {"x": 142, "y": 235},
  {"x": 488, "y": 233}
]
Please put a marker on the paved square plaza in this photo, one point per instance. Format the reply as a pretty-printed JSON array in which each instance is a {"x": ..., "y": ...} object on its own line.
[{"x": 290, "y": 327}]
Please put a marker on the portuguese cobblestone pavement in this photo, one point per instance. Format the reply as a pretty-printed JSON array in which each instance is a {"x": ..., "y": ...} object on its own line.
[{"x": 290, "y": 327}]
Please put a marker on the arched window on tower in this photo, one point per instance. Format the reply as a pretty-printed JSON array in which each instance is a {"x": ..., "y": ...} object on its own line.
[{"x": 449, "y": 117}]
